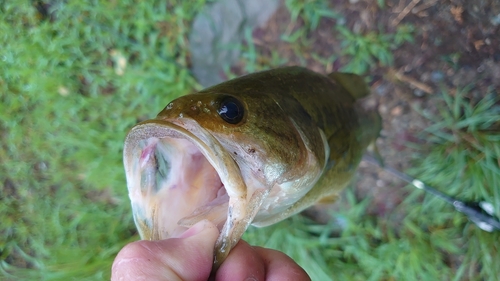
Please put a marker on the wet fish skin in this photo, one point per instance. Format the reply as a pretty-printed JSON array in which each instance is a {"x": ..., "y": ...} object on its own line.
[{"x": 299, "y": 141}]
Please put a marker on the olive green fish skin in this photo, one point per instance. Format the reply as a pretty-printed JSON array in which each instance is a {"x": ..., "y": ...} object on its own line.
[
  {"x": 331, "y": 102},
  {"x": 300, "y": 140},
  {"x": 313, "y": 101},
  {"x": 271, "y": 97}
]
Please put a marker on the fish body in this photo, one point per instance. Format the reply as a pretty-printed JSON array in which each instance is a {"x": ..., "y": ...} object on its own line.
[{"x": 253, "y": 150}]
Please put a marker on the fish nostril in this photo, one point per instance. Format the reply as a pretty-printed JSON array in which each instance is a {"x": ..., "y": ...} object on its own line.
[{"x": 196, "y": 107}]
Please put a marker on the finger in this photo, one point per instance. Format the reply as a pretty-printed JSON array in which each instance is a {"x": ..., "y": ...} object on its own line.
[
  {"x": 280, "y": 267},
  {"x": 242, "y": 263},
  {"x": 189, "y": 257}
]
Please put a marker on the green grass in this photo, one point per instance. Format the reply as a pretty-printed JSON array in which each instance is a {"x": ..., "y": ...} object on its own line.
[
  {"x": 66, "y": 102},
  {"x": 74, "y": 82},
  {"x": 310, "y": 12},
  {"x": 366, "y": 51}
]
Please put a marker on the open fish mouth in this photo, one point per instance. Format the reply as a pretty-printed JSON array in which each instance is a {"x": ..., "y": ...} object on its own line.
[{"x": 178, "y": 174}]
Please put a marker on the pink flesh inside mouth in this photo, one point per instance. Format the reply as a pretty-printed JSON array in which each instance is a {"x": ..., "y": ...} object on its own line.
[{"x": 178, "y": 187}]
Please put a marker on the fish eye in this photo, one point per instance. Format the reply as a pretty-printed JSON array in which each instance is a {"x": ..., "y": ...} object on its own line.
[{"x": 231, "y": 110}]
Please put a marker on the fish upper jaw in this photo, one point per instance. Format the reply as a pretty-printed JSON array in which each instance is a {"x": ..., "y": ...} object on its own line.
[{"x": 177, "y": 174}]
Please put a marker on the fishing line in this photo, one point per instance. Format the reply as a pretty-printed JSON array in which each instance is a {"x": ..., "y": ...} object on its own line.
[{"x": 480, "y": 213}]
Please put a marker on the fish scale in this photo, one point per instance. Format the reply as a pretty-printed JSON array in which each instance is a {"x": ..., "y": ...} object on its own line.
[{"x": 276, "y": 142}]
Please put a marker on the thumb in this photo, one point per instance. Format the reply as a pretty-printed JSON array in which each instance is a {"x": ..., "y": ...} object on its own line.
[{"x": 186, "y": 258}]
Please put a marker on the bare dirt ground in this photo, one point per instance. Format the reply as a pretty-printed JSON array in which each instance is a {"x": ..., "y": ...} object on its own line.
[{"x": 456, "y": 43}]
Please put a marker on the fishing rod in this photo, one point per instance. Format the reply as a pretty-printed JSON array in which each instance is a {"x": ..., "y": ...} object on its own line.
[{"x": 480, "y": 213}]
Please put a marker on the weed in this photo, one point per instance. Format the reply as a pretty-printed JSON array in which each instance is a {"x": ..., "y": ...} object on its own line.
[
  {"x": 310, "y": 11},
  {"x": 367, "y": 50}
]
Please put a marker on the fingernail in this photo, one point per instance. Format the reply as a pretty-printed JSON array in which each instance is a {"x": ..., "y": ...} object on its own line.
[{"x": 197, "y": 228}]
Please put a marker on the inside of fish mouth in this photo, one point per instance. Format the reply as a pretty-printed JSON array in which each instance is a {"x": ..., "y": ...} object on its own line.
[{"x": 182, "y": 183}]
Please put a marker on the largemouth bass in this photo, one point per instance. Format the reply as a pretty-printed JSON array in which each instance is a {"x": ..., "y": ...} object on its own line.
[{"x": 253, "y": 150}]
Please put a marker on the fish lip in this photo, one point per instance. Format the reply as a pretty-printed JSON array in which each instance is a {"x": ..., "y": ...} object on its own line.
[
  {"x": 220, "y": 159},
  {"x": 211, "y": 148}
]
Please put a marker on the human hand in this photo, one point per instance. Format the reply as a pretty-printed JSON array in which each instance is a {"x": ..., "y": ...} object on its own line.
[{"x": 190, "y": 258}]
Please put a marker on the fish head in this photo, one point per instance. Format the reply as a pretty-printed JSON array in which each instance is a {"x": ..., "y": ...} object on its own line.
[{"x": 214, "y": 155}]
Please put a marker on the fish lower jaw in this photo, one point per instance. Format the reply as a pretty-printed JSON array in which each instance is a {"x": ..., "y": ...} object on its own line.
[{"x": 215, "y": 211}]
